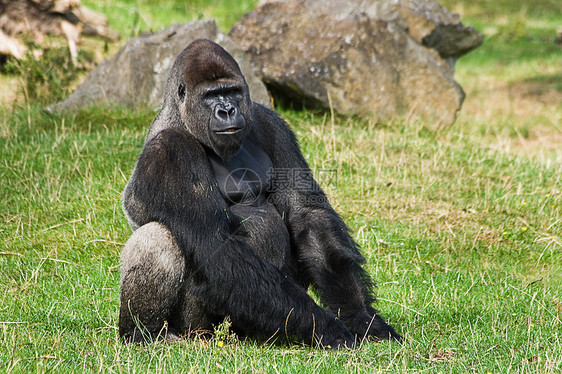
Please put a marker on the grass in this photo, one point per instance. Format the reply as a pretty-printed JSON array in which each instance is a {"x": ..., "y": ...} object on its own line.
[
  {"x": 131, "y": 18},
  {"x": 513, "y": 80},
  {"x": 461, "y": 228}
]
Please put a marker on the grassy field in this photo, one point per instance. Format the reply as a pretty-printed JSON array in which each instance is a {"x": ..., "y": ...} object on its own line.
[{"x": 461, "y": 228}]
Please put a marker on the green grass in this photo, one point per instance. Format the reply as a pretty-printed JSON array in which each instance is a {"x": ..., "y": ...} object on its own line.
[
  {"x": 461, "y": 228},
  {"x": 131, "y": 18}
]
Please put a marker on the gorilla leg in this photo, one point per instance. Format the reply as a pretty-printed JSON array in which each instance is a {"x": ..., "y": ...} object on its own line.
[
  {"x": 342, "y": 283},
  {"x": 152, "y": 276},
  {"x": 192, "y": 314}
]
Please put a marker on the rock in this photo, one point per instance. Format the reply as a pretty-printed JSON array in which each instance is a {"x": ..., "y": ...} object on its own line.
[
  {"x": 429, "y": 24},
  {"x": 136, "y": 74},
  {"x": 426, "y": 21},
  {"x": 10, "y": 46},
  {"x": 384, "y": 59}
]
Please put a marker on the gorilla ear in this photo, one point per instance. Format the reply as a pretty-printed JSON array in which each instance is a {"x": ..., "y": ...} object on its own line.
[{"x": 181, "y": 91}]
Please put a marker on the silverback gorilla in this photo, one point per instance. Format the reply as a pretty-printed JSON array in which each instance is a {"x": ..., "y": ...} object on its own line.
[{"x": 219, "y": 232}]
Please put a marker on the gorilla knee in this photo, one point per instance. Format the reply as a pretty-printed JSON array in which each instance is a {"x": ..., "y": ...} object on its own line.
[
  {"x": 153, "y": 246},
  {"x": 152, "y": 272}
]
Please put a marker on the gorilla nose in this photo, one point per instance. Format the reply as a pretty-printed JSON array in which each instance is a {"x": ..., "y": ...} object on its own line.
[
  {"x": 225, "y": 112},
  {"x": 228, "y": 119}
]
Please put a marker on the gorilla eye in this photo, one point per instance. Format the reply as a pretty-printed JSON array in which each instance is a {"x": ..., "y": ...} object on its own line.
[{"x": 181, "y": 91}]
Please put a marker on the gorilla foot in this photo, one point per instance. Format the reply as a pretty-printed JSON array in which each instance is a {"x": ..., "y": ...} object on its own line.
[
  {"x": 144, "y": 336},
  {"x": 343, "y": 344},
  {"x": 373, "y": 327},
  {"x": 384, "y": 331}
]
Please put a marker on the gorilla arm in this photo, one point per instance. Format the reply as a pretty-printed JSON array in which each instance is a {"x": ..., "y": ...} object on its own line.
[
  {"x": 173, "y": 184},
  {"x": 328, "y": 256}
]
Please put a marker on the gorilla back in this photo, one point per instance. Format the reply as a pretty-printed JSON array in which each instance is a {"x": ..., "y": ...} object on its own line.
[{"x": 218, "y": 230}]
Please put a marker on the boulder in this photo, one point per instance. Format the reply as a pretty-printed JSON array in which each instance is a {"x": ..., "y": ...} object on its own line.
[
  {"x": 383, "y": 60},
  {"x": 136, "y": 74}
]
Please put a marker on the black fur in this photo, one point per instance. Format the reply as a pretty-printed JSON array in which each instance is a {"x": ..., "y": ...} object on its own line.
[{"x": 202, "y": 251}]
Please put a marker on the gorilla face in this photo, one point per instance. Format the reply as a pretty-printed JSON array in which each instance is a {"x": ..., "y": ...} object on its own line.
[
  {"x": 212, "y": 97},
  {"x": 227, "y": 126}
]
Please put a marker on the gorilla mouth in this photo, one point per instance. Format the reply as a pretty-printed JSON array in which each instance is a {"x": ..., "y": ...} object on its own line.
[{"x": 229, "y": 131}]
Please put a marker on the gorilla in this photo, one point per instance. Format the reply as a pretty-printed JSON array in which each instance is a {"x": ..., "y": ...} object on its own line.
[{"x": 220, "y": 229}]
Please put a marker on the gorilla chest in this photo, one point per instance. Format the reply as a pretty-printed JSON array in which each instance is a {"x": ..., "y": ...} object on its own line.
[{"x": 245, "y": 178}]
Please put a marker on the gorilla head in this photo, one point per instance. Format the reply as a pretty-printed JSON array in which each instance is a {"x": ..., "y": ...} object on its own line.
[{"x": 208, "y": 89}]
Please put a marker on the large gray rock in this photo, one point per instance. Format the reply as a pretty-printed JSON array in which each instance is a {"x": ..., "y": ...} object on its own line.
[
  {"x": 136, "y": 74},
  {"x": 383, "y": 59},
  {"x": 427, "y": 22}
]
